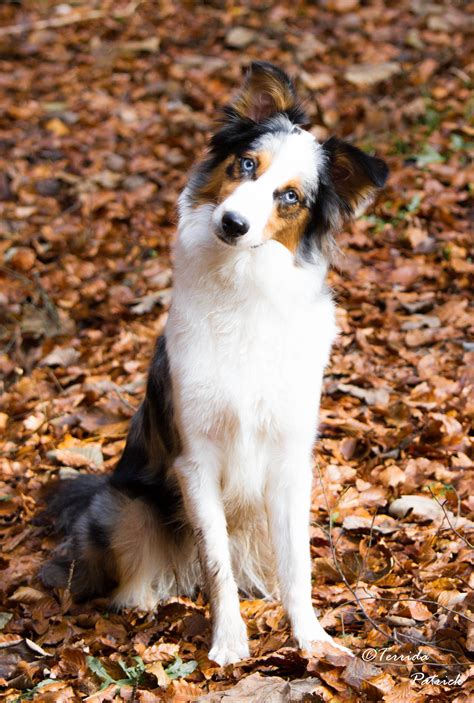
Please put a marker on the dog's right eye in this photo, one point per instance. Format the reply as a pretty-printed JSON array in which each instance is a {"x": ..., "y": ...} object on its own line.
[{"x": 247, "y": 166}]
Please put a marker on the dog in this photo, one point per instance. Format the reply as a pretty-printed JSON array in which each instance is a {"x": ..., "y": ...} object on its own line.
[{"x": 213, "y": 487}]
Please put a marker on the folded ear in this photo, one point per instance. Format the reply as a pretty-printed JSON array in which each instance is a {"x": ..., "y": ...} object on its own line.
[
  {"x": 267, "y": 90},
  {"x": 355, "y": 176}
]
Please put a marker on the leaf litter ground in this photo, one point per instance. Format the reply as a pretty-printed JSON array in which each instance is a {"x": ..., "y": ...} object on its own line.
[{"x": 104, "y": 108}]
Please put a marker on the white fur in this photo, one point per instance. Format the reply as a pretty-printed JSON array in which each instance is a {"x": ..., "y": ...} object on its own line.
[{"x": 248, "y": 337}]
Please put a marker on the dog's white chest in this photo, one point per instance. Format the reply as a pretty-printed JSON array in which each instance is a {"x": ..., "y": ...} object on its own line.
[{"x": 247, "y": 347}]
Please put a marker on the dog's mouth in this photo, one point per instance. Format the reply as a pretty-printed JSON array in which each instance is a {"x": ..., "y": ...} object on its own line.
[
  {"x": 233, "y": 241},
  {"x": 226, "y": 238}
]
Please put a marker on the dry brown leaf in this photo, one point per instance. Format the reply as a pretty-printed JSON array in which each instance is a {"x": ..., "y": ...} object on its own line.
[
  {"x": 101, "y": 120},
  {"x": 265, "y": 689},
  {"x": 371, "y": 73}
]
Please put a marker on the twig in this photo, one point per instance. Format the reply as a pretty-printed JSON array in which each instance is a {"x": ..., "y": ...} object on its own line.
[
  {"x": 417, "y": 600},
  {"x": 456, "y": 532},
  {"x": 70, "y": 18},
  {"x": 48, "y": 304},
  {"x": 15, "y": 274},
  {"x": 361, "y": 570},
  {"x": 122, "y": 398},
  {"x": 70, "y": 575},
  {"x": 429, "y": 643},
  {"x": 55, "y": 380},
  {"x": 374, "y": 624}
]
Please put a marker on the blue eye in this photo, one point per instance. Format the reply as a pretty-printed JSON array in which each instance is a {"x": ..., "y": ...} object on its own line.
[
  {"x": 247, "y": 166},
  {"x": 289, "y": 197}
]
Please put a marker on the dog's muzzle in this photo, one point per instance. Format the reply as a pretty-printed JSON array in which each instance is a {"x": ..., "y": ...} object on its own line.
[{"x": 232, "y": 227}]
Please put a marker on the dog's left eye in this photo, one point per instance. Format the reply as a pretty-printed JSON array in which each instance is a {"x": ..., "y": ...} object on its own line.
[
  {"x": 290, "y": 197},
  {"x": 247, "y": 165}
]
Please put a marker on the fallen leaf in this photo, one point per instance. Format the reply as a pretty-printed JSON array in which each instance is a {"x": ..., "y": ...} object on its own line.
[
  {"x": 239, "y": 37},
  {"x": 358, "y": 671},
  {"x": 61, "y": 356},
  {"x": 378, "y": 396},
  {"x": 57, "y": 127},
  {"x": 424, "y": 508},
  {"x": 266, "y": 689},
  {"x": 89, "y": 455},
  {"x": 371, "y": 73}
]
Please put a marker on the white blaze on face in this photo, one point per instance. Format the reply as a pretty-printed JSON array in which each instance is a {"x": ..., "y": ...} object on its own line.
[{"x": 293, "y": 158}]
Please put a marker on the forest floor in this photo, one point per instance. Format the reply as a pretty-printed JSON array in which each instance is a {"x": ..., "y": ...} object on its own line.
[{"x": 103, "y": 108}]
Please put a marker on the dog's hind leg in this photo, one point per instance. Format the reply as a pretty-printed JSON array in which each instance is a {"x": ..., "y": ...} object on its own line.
[{"x": 142, "y": 554}]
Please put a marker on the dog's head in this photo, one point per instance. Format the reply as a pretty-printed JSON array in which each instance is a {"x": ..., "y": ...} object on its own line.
[{"x": 267, "y": 178}]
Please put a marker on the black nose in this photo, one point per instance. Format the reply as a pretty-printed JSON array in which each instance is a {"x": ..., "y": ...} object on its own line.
[{"x": 234, "y": 224}]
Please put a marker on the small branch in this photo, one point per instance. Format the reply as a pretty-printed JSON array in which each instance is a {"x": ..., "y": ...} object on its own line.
[
  {"x": 456, "y": 532},
  {"x": 48, "y": 304},
  {"x": 362, "y": 568},
  {"x": 70, "y": 18},
  {"x": 122, "y": 399},
  {"x": 70, "y": 575},
  {"x": 374, "y": 624},
  {"x": 418, "y": 600}
]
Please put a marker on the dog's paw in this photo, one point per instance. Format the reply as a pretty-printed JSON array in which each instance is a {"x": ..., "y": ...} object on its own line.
[
  {"x": 143, "y": 601},
  {"x": 313, "y": 639},
  {"x": 316, "y": 646},
  {"x": 230, "y": 647}
]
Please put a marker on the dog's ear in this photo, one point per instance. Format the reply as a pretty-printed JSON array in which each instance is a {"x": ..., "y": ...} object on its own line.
[
  {"x": 355, "y": 176},
  {"x": 266, "y": 91}
]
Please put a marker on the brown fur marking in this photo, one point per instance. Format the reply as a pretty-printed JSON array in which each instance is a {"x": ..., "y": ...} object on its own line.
[
  {"x": 209, "y": 192},
  {"x": 263, "y": 95},
  {"x": 288, "y": 222},
  {"x": 288, "y": 228},
  {"x": 351, "y": 182},
  {"x": 226, "y": 177},
  {"x": 136, "y": 544}
]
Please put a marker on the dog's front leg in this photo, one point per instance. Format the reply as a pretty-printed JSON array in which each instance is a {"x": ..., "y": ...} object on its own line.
[
  {"x": 288, "y": 505},
  {"x": 199, "y": 481}
]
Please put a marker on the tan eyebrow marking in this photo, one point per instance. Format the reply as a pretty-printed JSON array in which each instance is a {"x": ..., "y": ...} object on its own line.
[
  {"x": 264, "y": 160},
  {"x": 295, "y": 185},
  {"x": 220, "y": 184},
  {"x": 217, "y": 183},
  {"x": 287, "y": 223}
]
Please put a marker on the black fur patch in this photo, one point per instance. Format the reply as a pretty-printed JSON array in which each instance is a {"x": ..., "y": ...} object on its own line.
[
  {"x": 87, "y": 508},
  {"x": 98, "y": 534},
  {"x": 67, "y": 500},
  {"x": 152, "y": 445},
  {"x": 340, "y": 189},
  {"x": 73, "y": 563}
]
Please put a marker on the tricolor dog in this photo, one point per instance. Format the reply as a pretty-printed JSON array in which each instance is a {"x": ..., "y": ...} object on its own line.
[{"x": 213, "y": 488}]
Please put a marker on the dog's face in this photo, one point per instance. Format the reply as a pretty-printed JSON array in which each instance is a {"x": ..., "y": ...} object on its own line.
[
  {"x": 268, "y": 179},
  {"x": 266, "y": 190}
]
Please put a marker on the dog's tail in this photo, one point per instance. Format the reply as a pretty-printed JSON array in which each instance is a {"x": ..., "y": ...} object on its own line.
[
  {"x": 67, "y": 500},
  {"x": 83, "y": 510}
]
